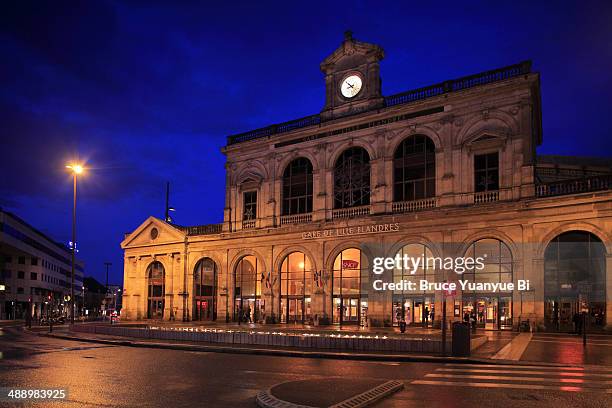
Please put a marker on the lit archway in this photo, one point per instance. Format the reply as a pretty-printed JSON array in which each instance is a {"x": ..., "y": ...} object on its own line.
[
  {"x": 296, "y": 283},
  {"x": 205, "y": 290},
  {"x": 349, "y": 276},
  {"x": 574, "y": 281},
  {"x": 489, "y": 310},
  {"x": 156, "y": 290},
  {"x": 248, "y": 277}
]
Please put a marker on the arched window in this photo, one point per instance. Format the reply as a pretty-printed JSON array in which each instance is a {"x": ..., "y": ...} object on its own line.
[
  {"x": 296, "y": 288},
  {"x": 349, "y": 275},
  {"x": 497, "y": 260},
  {"x": 574, "y": 280},
  {"x": 156, "y": 290},
  {"x": 248, "y": 278},
  {"x": 414, "y": 169},
  {"x": 489, "y": 310},
  {"x": 297, "y": 187},
  {"x": 352, "y": 178},
  {"x": 414, "y": 307},
  {"x": 205, "y": 290}
]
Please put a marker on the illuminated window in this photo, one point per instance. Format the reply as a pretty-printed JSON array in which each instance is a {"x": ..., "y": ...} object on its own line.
[
  {"x": 414, "y": 169},
  {"x": 352, "y": 178},
  {"x": 297, "y": 187},
  {"x": 296, "y": 286}
]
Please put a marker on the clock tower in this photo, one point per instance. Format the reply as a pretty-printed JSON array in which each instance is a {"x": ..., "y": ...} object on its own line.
[{"x": 352, "y": 78}]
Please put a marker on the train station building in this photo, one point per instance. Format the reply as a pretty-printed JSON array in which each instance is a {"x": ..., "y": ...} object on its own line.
[{"x": 448, "y": 170}]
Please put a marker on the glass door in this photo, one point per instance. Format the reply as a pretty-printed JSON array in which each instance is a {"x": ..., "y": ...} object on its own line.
[
  {"x": 505, "y": 313},
  {"x": 351, "y": 311}
]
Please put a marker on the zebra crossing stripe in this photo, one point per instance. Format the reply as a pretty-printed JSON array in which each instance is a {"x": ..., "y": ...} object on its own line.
[
  {"x": 539, "y": 367},
  {"x": 558, "y": 373},
  {"x": 506, "y": 385},
  {"x": 528, "y": 379}
]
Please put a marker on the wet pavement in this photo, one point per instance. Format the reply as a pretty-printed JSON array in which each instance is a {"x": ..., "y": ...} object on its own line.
[
  {"x": 568, "y": 349},
  {"x": 99, "y": 375}
]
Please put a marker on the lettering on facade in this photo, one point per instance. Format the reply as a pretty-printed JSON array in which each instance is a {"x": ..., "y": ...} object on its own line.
[{"x": 348, "y": 231}]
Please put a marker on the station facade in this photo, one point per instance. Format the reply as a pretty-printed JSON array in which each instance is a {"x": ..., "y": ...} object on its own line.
[{"x": 449, "y": 170}]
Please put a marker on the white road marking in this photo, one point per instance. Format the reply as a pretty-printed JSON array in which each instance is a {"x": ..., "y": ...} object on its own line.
[
  {"x": 559, "y": 373},
  {"x": 505, "y": 385},
  {"x": 528, "y": 379}
]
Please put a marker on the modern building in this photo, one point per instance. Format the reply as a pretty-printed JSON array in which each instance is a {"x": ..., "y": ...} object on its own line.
[
  {"x": 94, "y": 295},
  {"x": 36, "y": 271},
  {"x": 448, "y": 170}
]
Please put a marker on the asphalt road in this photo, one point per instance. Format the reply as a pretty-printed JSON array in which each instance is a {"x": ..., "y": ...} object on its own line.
[{"x": 97, "y": 375}]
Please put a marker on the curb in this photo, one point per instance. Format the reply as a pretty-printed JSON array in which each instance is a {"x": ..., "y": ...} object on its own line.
[
  {"x": 302, "y": 354},
  {"x": 265, "y": 399}
]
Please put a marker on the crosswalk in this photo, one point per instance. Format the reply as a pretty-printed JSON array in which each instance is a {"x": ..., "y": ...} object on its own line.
[{"x": 532, "y": 377}]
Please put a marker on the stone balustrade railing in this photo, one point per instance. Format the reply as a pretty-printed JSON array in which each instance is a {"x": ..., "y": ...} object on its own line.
[
  {"x": 416, "y": 205},
  {"x": 352, "y": 212},
  {"x": 295, "y": 219}
]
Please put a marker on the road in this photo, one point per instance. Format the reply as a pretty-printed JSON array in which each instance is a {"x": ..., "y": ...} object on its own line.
[{"x": 99, "y": 375}]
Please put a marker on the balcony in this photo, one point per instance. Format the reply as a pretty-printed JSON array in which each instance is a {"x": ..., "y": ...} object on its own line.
[
  {"x": 295, "y": 219},
  {"x": 484, "y": 197},
  {"x": 411, "y": 206},
  {"x": 249, "y": 224},
  {"x": 352, "y": 212},
  {"x": 574, "y": 186}
]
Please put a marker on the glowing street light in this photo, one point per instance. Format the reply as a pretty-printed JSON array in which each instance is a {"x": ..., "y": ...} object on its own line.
[{"x": 76, "y": 169}]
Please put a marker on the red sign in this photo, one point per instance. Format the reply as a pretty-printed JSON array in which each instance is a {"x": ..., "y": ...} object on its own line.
[{"x": 348, "y": 264}]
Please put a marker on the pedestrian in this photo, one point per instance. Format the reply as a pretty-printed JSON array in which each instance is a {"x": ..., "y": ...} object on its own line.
[
  {"x": 248, "y": 312},
  {"x": 426, "y": 316},
  {"x": 576, "y": 321}
]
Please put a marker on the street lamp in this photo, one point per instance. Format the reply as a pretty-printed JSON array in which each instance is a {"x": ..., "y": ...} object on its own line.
[{"x": 76, "y": 169}]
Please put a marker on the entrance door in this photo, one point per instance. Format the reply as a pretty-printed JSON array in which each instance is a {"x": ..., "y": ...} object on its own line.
[
  {"x": 292, "y": 310},
  {"x": 350, "y": 310},
  {"x": 204, "y": 309},
  {"x": 155, "y": 309},
  {"x": 346, "y": 310}
]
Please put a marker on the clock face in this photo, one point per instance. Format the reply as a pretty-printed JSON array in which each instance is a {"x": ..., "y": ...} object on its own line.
[{"x": 351, "y": 85}]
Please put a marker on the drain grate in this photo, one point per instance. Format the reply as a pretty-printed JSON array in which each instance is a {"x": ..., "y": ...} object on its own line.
[
  {"x": 266, "y": 400},
  {"x": 371, "y": 396}
]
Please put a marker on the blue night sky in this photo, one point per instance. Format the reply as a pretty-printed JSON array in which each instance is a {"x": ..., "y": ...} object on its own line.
[{"x": 147, "y": 91}]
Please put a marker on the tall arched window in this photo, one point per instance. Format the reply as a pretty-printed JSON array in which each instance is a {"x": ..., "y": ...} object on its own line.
[
  {"x": 414, "y": 169},
  {"x": 574, "y": 280},
  {"x": 349, "y": 276},
  {"x": 156, "y": 290},
  {"x": 205, "y": 290},
  {"x": 297, "y": 187},
  {"x": 296, "y": 288},
  {"x": 352, "y": 178},
  {"x": 490, "y": 310},
  {"x": 248, "y": 277},
  {"x": 414, "y": 307}
]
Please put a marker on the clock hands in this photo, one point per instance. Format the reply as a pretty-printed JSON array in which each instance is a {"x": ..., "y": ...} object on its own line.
[{"x": 349, "y": 85}]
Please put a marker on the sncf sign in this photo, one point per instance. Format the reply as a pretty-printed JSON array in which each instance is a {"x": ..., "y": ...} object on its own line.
[{"x": 349, "y": 264}]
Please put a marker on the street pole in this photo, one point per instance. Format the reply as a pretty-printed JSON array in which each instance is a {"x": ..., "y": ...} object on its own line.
[
  {"x": 584, "y": 322},
  {"x": 74, "y": 176},
  {"x": 107, "y": 264},
  {"x": 444, "y": 325},
  {"x": 167, "y": 201}
]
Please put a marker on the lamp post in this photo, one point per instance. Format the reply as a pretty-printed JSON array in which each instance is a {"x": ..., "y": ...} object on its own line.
[{"x": 76, "y": 169}]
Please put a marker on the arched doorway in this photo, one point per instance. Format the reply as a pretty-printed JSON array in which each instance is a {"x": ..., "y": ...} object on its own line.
[
  {"x": 410, "y": 306},
  {"x": 296, "y": 288},
  {"x": 205, "y": 290},
  {"x": 156, "y": 290},
  {"x": 492, "y": 311},
  {"x": 349, "y": 302},
  {"x": 248, "y": 305},
  {"x": 574, "y": 281}
]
